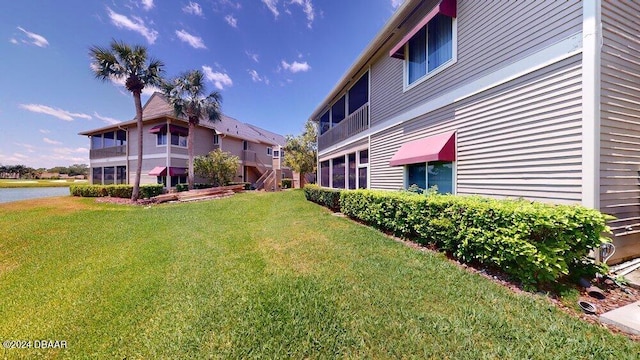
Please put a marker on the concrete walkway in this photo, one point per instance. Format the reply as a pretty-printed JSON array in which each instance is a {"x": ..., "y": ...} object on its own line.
[{"x": 626, "y": 318}]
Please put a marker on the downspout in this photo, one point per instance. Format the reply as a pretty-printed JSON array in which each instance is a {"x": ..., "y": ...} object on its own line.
[{"x": 591, "y": 87}]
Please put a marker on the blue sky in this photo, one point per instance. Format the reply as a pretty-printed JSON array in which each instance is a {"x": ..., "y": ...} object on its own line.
[{"x": 273, "y": 61}]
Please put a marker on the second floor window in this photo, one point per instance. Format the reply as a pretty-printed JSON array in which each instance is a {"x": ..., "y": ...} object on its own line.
[
  {"x": 161, "y": 139},
  {"x": 179, "y": 140},
  {"x": 430, "y": 48},
  {"x": 269, "y": 151}
]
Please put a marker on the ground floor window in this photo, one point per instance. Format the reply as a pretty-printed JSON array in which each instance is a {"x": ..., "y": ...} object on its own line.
[
  {"x": 338, "y": 172},
  {"x": 352, "y": 170},
  {"x": 96, "y": 176},
  {"x": 109, "y": 175},
  {"x": 362, "y": 178},
  {"x": 175, "y": 180},
  {"x": 437, "y": 174},
  {"x": 324, "y": 173}
]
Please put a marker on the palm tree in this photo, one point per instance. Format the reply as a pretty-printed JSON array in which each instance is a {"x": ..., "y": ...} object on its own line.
[
  {"x": 129, "y": 63},
  {"x": 186, "y": 94}
]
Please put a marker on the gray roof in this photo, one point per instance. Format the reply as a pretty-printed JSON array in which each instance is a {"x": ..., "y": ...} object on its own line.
[{"x": 157, "y": 107}]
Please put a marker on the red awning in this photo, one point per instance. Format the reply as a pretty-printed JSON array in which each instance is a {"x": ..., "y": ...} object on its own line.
[
  {"x": 158, "y": 129},
  {"x": 433, "y": 148},
  {"x": 175, "y": 129},
  {"x": 444, "y": 7},
  {"x": 158, "y": 171},
  {"x": 177, "y": 171}
]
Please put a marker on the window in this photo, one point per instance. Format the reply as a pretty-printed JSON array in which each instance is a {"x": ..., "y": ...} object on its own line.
[
  {"x": 96, "y": 141},
  {"x": 269, "y": 151},
  {"x": 162, "y": 180},
  {"x": 428, "y": 175},
  {"x": 175, "y": 180},
  {"x": 352, "y": 171},
  {"x": 121, "y": 138},
  {"x": 276, "y": 153},
  {"x": 324, "y": 173},
  {"x": 109, "y": 139},
  {"x": 338, "y": 111},
  {"x": 338, "y": 172},
  {"x": 324, "y": 123},
  {"x": 359, "y": 93},
  {"x": 161, "y": 139},
  {"x": 282, "y": 153},
  {"x": 109, "y": 175},
  {"x": 430, "y": 48},
  {"x": 364, "y": 157},
  {"x": 121, "y": 175},
  {"x": 178, "y": 140},
  {"x": 245, "y": 145},
  {"x": 362, "y": 178},
  {"x": 96, "y": 176},
  {"x": 216, "y": 139}
]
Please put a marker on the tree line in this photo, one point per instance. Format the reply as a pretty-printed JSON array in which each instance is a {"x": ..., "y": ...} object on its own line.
[{"x": 26, "y": 172}]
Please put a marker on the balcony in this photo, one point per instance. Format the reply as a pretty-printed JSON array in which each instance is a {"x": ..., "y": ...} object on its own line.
[
  {"x": 120, "y": 150},
  {"x": 353, "y": 124}
]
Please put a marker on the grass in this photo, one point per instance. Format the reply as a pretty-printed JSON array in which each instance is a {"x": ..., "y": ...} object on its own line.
[
  {"x": 258, "y": 275},
  {"x": 13, "y": 183}
]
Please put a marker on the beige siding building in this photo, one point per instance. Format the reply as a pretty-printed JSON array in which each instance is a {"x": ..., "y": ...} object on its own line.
[
  {"x": 113, "y": 154},
  {"x": 532, "y": 99}
]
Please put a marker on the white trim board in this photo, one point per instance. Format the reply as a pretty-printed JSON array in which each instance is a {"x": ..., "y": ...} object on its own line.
[{"x": 550, "y": 55}]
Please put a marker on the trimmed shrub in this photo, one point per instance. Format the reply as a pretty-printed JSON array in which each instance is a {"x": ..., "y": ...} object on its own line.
[
  {"x": 149, "y": 191},
  {"x": 533, "y": 242},
  {"x": 286, "y": 183},
  {"x": 88, "y": 190},
  {"x": 119, "y": 191},
  {"x": 324, "y": 196}
]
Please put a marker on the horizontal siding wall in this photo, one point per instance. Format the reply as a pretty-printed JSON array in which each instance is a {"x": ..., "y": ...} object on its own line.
[
  {"x": 521, "y": 139},
  {"x": 620, "y": 115},
  {"x": 484, "y": 46}
]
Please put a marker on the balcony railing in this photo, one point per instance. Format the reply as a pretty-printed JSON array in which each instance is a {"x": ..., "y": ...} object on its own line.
[
  {"x": 119, "y": 150},
  {"x": 356, "y": 122}
]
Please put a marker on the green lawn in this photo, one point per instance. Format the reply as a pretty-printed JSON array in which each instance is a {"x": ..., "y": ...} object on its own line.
[
  {"x": 258, "y": 275},
  {"x": 11, "y": 183}
]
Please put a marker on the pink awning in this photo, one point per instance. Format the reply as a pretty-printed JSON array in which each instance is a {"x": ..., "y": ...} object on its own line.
[
  {"x": 158, "y": 129},
  {"x": 440, "y": 147},
  {"x": 177, "y": 171},
  {"x": 175, "y": 129},
  {"x": 444, "y": 7},
  {"x": 158, "y": 171}
]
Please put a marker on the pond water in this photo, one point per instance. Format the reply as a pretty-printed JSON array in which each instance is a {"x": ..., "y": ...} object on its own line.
[{"x": 16, "y": 194}]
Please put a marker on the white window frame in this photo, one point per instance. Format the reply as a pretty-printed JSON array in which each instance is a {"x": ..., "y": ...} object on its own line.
[
  {"x": 439, "y": 69},
  {"x": 362, "y": 166},
  {"x": 216, "y": 139},
  {"x": 179, "y": 137},
  {"x": 166, "y": 136},
  {"x": 269, "y": 151},
  {"x": 454, "y": 175}
]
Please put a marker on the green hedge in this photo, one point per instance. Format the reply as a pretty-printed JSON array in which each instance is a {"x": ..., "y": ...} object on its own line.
[
  {"x": 247, "y": 185},
  {"x": 120, "y": 191},
  {"x": 533, "y": 242},
  {"x": 324, "y": 196}
]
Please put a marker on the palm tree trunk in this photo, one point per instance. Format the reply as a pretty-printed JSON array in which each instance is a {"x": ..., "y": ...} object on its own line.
[
  {"x": 136, "y": 184},
  {"x": 190, "y": 136}
]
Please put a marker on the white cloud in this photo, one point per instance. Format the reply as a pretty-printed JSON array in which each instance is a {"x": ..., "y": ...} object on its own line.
[
  {"x": 193, "y": 8},
  {"x": 68, "y": 151},
  {"x": 52, "y": 142},
  {"x": 396, "y": 3},
  {"x": 257, "y": 78},
  {"x": 135, "y": 24},
  {"x": 35, "y": 39},
  {"x": 13, "y": 41},
  {"x": 147, "y": 4},
  {"x": 44, "y": 131},
  {"x": 108, "y": 120},
  {"x": 30, "y": 148},
  {"x": 194, "y": 41},
  {"x": 59, "y": 113},
  {"x": 273, "y": 6},
  {"x": 231, "y": 21},
  {"x": 253, "y": 56},
  {"x": 220, "y": 80},
  {"x": 307, "y": 8},
  {"x": 295, "y": 66}
]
